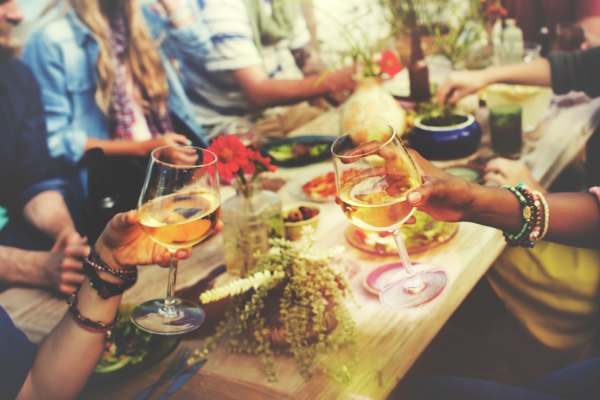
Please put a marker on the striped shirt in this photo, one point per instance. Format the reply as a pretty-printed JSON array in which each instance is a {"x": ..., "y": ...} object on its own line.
[{"x": 211, "y": 86}]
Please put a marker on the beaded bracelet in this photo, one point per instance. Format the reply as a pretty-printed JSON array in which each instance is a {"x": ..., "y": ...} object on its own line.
[
  {"x": 86, "y": 323},
  {"x": 535, "y": 214},
  {"x": 93, "y": 263},
  {"x": 546, "y": 216}
]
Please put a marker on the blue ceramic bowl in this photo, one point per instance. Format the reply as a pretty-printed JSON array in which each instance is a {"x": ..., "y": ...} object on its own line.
[{"x": 458, "y": 140}]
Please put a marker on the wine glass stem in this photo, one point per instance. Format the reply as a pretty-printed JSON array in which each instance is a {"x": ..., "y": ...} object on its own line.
[
  {"x": 414, "y": 282},
  {"x": 169, "y": 307}
]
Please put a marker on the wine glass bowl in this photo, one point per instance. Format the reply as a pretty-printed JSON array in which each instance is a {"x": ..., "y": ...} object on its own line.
[
  {"x": 374, "y": 173},
  {"x": 179, "y": 207}
]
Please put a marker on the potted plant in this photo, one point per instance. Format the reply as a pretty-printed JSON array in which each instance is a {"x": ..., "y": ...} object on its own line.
[
  {"x": 292, "y": 302},
  {"x": 441, "y": 132}
]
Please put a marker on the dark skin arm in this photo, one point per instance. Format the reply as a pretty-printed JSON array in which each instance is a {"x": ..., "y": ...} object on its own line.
[{"x": 574, "y": 217}]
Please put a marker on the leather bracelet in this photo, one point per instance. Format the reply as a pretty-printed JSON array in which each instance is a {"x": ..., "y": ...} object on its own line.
[{"x": 86, "y": 323}]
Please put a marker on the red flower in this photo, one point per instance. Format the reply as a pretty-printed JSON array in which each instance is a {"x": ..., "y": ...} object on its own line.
[
  {"x": 231, "y": 154},
  {"x": 264, "y": 162},
  {"x": 235, "y": 160},
  {"x": 389, "y": 63}
]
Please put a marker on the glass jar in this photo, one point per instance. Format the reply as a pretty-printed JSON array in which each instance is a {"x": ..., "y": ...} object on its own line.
[{"x": 250, "y": 218}]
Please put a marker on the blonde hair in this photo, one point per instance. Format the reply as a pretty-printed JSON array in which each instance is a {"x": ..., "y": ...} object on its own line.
[{"x": 142, "y": 55}]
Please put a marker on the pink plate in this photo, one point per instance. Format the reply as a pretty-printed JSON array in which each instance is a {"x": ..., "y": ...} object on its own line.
[{"x": 375, "y": 280}]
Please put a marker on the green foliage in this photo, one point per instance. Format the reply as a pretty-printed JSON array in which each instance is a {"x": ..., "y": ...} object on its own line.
[
  {"x": 299, "y": 310},
  {"x": 433, "y": 110}
]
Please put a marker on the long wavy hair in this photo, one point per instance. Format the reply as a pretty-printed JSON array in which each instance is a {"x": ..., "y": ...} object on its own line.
[{"x": 141, "y": 55}]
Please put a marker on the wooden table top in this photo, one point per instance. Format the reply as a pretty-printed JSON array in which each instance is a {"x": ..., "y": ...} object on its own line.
[{"x": 388, "y": 342}]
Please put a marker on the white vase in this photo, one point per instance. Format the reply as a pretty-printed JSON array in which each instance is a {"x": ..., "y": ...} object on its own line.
[{"x": 371, "y": 103}]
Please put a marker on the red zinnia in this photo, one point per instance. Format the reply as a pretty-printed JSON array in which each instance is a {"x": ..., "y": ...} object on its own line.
[{"x": 232, "y": 156}]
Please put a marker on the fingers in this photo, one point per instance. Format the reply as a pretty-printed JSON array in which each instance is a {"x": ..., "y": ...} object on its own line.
[
  {"x": 444, "y": 92},
  {"x": 179, "y": 139},
  {"x": 496, "y": 178}
]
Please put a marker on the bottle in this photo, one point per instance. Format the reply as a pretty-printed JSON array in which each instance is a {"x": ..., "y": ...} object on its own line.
[
  {"x": 544, "y": 41},
  {"x": 512, "y": 42},
  {"x": 418, "y": 72}
]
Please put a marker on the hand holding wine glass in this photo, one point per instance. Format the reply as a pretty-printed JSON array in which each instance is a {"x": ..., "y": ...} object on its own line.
[
  {"x": 374, "y": 173},
  {"x": 178, "y": 208}
]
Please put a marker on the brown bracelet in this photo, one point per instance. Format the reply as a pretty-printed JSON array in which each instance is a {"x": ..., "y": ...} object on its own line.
[{"x": 86, "y": 323}]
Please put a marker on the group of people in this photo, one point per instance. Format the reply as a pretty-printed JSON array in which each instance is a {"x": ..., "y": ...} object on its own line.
[{"x": 104, "y": 82}]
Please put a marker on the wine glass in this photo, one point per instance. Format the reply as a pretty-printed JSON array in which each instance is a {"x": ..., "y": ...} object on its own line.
[
  {"x": 179, "y": 206},
  {"x": 373, "y": 174}
]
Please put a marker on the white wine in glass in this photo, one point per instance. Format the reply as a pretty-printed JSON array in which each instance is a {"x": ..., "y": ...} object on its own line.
[
  {"x": 179, "y": 207},
  {"x": 374, "y": 173}
]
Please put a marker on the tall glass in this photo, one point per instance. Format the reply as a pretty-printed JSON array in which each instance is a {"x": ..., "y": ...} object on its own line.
[
  {"x": 179, "y": 206},
  {"x": 374, "y": 173}
]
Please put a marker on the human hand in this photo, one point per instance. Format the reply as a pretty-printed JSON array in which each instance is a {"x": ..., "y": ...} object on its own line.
[
  {"x": 502, "y": 171},
  {"x": 340, "y": 81},
  {"x": 123, "y": 244},
  {"x": 163, "y": 140},
  {"x": 460, "y": 84},
  {"x": 443, "y": 196},
  {"x": 62, "y": 268},
  {"x": 171, "y": 5}
]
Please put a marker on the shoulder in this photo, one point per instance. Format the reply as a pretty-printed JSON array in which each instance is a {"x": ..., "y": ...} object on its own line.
[{"x": 57, "y": 31}]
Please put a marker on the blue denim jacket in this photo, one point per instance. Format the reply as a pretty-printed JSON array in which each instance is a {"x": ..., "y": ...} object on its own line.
[{"x": 63, "y": 58}]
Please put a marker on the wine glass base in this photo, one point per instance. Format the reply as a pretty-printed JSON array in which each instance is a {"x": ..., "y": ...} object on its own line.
[
  {"x": 151, "y": 317},
  {"x": 398, "y": 295}
]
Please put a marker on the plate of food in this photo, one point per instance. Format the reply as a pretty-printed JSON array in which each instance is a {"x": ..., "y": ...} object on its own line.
[
  {"x": 469, "y": 172},
  {"x": 299, "y": 150},
  {"x": 318, "y": 187},
  {"x": 425, "y": 234},
  {"x": 129, "y": 350}
]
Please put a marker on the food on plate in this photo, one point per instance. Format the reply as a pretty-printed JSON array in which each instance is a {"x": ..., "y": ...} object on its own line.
[
  {"x": 301, "y": 213},
  {"x": 321, "y": 187},
  {"x": 424, "y": 234},
  {"x": 125, "y": 345},
  {"x": 296, "y": 151}
]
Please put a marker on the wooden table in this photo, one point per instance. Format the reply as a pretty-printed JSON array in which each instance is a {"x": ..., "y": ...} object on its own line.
[{"x": 388, "y": 341}]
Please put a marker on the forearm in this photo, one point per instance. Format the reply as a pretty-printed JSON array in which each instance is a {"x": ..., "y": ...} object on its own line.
[
  {"x": 494, "y": 207},
  {"x": 275, "y": 92},
  {"x": 574, "y": 217},
  {"x": 19, "y": 266},
  {"x": 48, "y": 212},
  {"x": 68, "y": 356},
  {"x": 535, "y": 73},
  {"x": 117, "y": 147}
]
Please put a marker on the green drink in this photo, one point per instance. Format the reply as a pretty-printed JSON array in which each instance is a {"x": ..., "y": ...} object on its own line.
[{"x": 505, "y": 127}]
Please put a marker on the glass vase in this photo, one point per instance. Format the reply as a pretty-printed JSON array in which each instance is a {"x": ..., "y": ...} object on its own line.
[{"x": 250, "y": 218}]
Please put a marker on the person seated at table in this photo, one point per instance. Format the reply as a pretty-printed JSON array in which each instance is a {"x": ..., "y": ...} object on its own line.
[
  {"x": 262, "y": 57},
  {"x": 106, "y": 84},
  {"x": 40, "y": 244},
  {"x": 527, "y": 280},
  {"x": 66, "y": 358},
  {"x": 571, "y": 25},
  {"x": 567, "y": 218}
]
